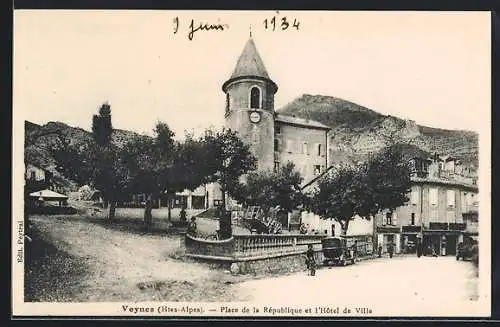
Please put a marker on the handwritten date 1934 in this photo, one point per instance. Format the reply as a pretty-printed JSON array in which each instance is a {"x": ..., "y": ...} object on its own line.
[
  {"x": 282, "y": 23},
  {"x": 195, "y": 27}
]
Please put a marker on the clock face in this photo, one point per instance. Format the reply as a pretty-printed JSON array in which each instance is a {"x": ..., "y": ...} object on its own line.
[{"x": 255, "y": 117}]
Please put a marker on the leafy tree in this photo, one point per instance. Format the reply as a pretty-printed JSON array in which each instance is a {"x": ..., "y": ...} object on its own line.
[
  {"x": 339, "y": 195},
  {"x": 107, "y": 174},
  {"x": 269, "y": 189},
  {"x": 148, "y": 163},
  {"x": 381, "y": 183},
  {"x": 191, "y": 167},
  {"x": 228, "y": 158},
  {"x": 387, "y": 176},
  {"x": 73, "y": 161}
]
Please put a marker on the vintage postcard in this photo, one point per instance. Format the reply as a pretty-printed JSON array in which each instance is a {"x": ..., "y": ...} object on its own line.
[{"x": 251, "y": 164}]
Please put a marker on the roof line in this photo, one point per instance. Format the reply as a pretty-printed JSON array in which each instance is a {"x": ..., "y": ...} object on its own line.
[
  {"x": 317, "y": 177},
  {"x": 305, "y": 125}
]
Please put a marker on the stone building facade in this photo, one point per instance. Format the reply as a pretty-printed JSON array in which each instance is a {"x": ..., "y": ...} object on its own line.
[
  {"x": 442, "y": 196},
  {"x": 274, "y": 139}
]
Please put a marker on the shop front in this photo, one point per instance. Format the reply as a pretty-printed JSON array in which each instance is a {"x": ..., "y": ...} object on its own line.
[
  {"x": 389, "y": 235},
  {"x": 410, "y": 238},
  {"x": 442, "y": 239}
]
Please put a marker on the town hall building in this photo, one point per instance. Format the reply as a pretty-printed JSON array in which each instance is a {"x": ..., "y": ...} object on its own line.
[{"x": 274, "y": 139}]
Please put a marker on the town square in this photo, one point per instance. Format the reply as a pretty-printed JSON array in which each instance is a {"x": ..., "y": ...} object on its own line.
[{"x": 215, "y": 181}]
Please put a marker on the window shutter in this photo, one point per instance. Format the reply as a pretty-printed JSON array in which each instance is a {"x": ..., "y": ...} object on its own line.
[
  {"x": 414, "y": 197},
  {"x": 433, "y": 196},
  {"x": 450, "y": 197},
  {"x": 394, "y": 218}
]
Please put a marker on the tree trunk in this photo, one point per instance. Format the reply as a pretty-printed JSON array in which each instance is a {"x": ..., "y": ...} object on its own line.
[
  {"x": 169, "y": 203},
  {"x": 223, "y": 191},
  {"x": 112, "y": 210},
  {"x": 148, "y": 215},
  {"x": 345, "y": 227},
  {"x": 374, "y": 237},
  {"x": 225, "y": 228}
]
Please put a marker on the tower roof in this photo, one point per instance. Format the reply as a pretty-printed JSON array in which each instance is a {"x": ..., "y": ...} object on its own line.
[{"x": 250, "y": 63}]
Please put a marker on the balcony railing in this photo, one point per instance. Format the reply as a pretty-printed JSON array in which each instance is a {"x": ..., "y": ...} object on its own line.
[
  {"x": 388, "y": 229},
  {"x": 438, "y": 226},
  {"x": 457, "y": 226},
  {"x": 411, "y": 229}
]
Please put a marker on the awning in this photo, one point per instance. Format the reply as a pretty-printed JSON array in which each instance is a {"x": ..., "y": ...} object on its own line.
[{"x": 48, "y": 195}]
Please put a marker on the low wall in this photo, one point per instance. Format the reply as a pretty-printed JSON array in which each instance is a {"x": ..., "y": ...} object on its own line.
[{"x": 260, "y": 253}]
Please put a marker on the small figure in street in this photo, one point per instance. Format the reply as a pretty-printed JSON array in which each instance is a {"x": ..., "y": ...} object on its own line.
[
  {"x": 183, "y": 218},
  {"x": 390, "y": 249},
  {"x": 303, "y": 228},
  {"x": 434, "y": 253},
  {"x": 380, "y": 251},
  {"x": 419, "y": 249},
  {"x": 310, "y": 262},
  {"x": 192, "y": 228}
]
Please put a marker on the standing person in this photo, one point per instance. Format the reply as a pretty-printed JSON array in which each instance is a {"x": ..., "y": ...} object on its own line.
[
  {"x": 310, "y": 262},
  {"x": 419, "y": 248},
  {"x": 183, "y": 218},
  {"x": 192, "y": 228},
  {"x": 390, "y": 249}
]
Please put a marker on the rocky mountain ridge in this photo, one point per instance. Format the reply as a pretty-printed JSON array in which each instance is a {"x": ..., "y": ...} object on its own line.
[{"x": 358, "y": 131}]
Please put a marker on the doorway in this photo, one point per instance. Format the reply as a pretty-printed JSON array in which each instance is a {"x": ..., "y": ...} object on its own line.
[{"x": 451, "y": 244}]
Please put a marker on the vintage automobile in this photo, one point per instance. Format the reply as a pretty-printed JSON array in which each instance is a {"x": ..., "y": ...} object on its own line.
[
  {"x": 468, "y": 251},
  {"x": 335, "y": 251}
]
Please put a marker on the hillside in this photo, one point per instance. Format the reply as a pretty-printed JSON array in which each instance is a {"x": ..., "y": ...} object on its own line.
[
  {"x": 357, "y": 131},
  {"x": 40, "y": 138}
]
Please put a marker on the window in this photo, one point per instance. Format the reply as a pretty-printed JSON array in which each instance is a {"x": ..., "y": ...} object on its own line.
[
  {"x": 277, "y": 130},
  {"x": 255, "y": 98},
  {"x": 388, "y": 218},
  {"x": 276, "y": 145},
  {"x": 412, "y": 165},
  {"x": 319, "y": 149},
  {"x": 317, "y": 169},
  {"x": 276, "y": 166},
  {"x": 450, "y": 217},
  {"x": 304, "y": 148},
  {"x": 433, "y": 215},
  {"x": 450, "y": 198},
  {"x": 289, "y": 146},
  {"x": 433, "y": 196},
  {"x": 32, "y": 175},
  {"x": 412, "y": 222},
  {"x": 414, "y": 197}
]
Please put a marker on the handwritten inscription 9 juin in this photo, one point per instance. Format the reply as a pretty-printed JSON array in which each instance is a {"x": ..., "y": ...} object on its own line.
[
  {"x": 271, "y": 23},
  {"x": 195, "y": 27}
]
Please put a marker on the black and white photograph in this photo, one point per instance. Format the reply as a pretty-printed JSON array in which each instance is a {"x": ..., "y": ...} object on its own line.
[{"x": 251, "y": 163}]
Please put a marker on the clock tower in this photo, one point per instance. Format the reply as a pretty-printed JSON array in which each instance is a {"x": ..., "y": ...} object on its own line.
[{"x": 250, "y": 105}]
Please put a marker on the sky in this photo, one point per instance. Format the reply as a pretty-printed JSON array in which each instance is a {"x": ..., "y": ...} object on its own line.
[{"x": 431, "y": 67}]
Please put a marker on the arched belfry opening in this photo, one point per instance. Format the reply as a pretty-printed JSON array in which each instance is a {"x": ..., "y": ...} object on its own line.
[{"x": 255, "y": 98}]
